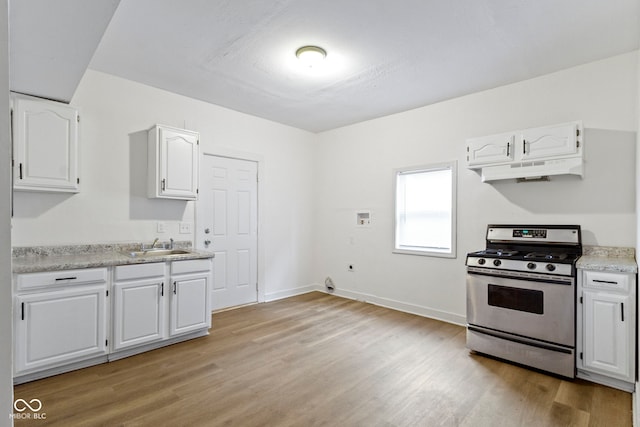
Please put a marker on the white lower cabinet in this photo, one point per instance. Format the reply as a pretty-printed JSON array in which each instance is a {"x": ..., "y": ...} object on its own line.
[
  {"x": 60, "y": 318},
  {"x": 190, "y": 310},
  {"x": 606, "y": 328},
  {"x": 144, "y": 293},
  {"x": 138, "y": 306}
]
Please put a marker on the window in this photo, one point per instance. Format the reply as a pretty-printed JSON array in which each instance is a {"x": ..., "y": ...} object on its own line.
[{"x": 425, "y": 218}]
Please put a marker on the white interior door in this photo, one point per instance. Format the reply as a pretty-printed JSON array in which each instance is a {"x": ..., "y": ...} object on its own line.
[{"x": 228, "y": 226}]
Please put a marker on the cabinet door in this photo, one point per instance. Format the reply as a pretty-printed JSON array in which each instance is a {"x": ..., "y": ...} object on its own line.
[
  {"x": 494, "y": 149},
  {"x": 189, "y": 304},
  {"x": 45, "y": 145},
  {"x": 552, "y": 141},
  {"x": 607, "y": 324},
  {"x": 138, "y": 313},
  {"x": 173, "y": 163},
  {"x": 54, "y": 328}
]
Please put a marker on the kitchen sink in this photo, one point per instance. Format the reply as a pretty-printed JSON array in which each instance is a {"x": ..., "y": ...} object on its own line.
[{"x": 157, "y": 253}]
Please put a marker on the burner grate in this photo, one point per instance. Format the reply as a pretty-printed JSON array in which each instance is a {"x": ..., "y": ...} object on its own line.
[
  {"x": 499, "y": 252},
  {"x": 546, "y": 256}
]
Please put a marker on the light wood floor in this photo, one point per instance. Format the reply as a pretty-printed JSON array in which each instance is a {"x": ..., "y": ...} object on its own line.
[{"x": 320, "y": 360}]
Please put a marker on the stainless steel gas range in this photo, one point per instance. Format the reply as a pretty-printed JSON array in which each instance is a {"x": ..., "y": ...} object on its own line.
[{"x": 521, "y": 295}]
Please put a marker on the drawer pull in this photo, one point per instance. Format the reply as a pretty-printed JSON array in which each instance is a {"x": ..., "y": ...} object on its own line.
[
  {"x": 609, "y": 282},
  {"x": 66, "y": 278},
  {"x": 622, "y": 310}
]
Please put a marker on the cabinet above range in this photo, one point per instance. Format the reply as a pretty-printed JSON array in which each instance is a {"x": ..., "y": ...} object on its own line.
[{"x": 530, "y": 153}]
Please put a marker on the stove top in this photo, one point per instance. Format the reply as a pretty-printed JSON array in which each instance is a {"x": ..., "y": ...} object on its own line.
[
  {"x": 545, "y": 249},
  {"x": 519, "y": 255}
]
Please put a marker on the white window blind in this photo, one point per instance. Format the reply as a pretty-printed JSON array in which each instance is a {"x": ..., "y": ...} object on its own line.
[{"x": 425, "y": 210}]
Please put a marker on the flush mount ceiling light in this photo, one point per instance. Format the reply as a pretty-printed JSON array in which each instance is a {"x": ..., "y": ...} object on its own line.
[{"x": 311, "y": 56}]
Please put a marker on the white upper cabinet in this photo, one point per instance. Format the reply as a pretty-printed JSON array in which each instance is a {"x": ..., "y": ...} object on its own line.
[
  {"x": 490, "y": 149},
  {"x": 528, "y": 154},
  {"x": 45, "y": 145},
  {"x": 173, "y": 163},
  {"x": 551, "y": 141}
]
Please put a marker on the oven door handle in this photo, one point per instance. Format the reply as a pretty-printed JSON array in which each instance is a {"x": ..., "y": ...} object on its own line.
[{"x": 558, "y": 280}]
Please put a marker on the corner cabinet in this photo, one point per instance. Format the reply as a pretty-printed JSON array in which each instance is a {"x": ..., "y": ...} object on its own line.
[
  {"x": 60, "y": 318},
  {"x": 45, "y": 145},
  {"x": 606, "y": 328},
  {"x": 172, "y": 163}
]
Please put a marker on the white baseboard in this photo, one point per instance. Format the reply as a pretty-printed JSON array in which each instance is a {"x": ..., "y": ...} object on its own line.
[
  {"x": 419, "y": 310},
  {"x": 383, "y": 302},
  {"x": 273, "y": 296}
]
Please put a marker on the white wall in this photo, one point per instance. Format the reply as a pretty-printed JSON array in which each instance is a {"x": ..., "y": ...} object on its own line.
[
  {"x": 113, "y": 207},
  {"x": 6, "y": 305},
  {"x": 355, "y": 166}
]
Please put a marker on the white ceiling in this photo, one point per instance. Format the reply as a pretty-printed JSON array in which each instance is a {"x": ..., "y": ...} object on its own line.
[{"x": 384, "y": 56}]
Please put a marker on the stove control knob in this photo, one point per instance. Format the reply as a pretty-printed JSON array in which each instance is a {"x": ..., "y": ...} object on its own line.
[
  {"x": 481, "y": 261},
  {"x": 531, "y": 266},
  {"x": 497, "y": 262},
  {"x": 551, "y": 267}
]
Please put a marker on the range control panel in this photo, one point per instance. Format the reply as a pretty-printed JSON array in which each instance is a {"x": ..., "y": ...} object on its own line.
[
  {"x": 567, "y": 234},
  {"x": 530, "y": 233}
]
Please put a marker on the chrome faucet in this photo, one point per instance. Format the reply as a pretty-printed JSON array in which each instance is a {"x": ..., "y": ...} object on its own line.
[{"x": 144, "y": 247}]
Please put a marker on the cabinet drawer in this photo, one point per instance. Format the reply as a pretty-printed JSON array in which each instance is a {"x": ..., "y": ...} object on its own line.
[
  {"x": 190, "y": 266},
  {"x": 60, "y": 278},
  {"x": 138, "y": 271},
  {"x": 606, "y": 280}
]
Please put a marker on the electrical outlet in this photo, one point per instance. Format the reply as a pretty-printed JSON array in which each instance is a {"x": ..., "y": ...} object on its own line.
[
  {"x": 162, "y": 227},
  {"x": 185, "y": 228},
  {"x": 351, "y": 267}
]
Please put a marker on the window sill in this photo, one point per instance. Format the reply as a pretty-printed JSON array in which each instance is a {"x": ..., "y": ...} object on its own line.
[{"x": 425, "y": 253}]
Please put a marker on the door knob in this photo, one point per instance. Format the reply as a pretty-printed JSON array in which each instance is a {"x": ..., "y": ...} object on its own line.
[{"x": 207, "y": 231}]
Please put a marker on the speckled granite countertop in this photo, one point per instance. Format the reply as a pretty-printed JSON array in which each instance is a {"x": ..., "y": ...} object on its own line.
[
  {"x": 605, "y": 258},
  {"x": 33, "y": 259}
]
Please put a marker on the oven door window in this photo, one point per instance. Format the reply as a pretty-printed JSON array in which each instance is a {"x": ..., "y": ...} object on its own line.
[{"x": 531, "y": 301}]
